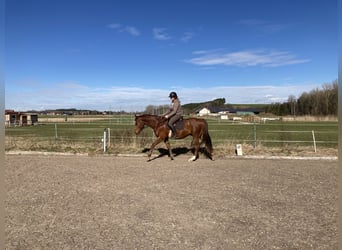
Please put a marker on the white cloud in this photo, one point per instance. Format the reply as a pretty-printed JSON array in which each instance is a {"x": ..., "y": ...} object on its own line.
[
  {"x": 245, "y": 58},
  {"x": 124, "y": 28},
  {"x": 114, "y": 25},
  {"x": 262, "y": 25},
  {"x": 116, "y": 98},
  {"x": 187, "y": 36},
  {"x": 160, "y": 34},
  {"x": 132, "y": 30}
]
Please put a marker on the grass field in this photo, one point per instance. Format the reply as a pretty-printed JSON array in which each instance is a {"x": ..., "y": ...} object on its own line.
[{"x": 84, "y": 134}]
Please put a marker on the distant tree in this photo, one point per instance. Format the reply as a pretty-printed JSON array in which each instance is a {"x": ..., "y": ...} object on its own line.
[
  {"x": 217, "y": 102},
  {"x": 330, "y": 97},
  {"x": 322, "y": 101},
  {"x": 333, "y": 99},
  {"x": 303, "y": 104},
  {"x": 156, "y": 110},
  {"x": 319, "y": 101},
  {"x": 149, "y": 109},
  {"x": 292, "y": 101}
]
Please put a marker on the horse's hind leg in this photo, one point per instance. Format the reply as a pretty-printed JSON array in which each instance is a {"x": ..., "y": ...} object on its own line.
[{"x": 196, "y": 145}]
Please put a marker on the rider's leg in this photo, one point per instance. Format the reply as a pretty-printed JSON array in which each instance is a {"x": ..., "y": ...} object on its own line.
[
  {"x": 171, "y": 121},
  {"x": 171, "y": 132}
]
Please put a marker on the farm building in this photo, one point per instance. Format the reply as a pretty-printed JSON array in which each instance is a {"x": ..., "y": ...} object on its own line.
[
  {"x": 214, "y": 111},
  {"x": 13, "y": 118},
  {"x": 204, "y": 111}
]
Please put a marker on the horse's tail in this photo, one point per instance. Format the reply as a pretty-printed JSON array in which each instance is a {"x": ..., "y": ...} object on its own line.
[{"x": 207, "y": 140}]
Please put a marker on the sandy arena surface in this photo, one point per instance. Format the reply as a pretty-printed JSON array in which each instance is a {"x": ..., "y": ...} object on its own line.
[{"x": 112, "y": 202}]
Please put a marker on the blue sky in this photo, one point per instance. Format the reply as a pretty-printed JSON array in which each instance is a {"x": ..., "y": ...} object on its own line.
[{"x": 127, "y": 54}]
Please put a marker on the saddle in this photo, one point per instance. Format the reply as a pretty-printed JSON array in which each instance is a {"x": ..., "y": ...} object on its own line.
[{"x": 179, "y": 124}]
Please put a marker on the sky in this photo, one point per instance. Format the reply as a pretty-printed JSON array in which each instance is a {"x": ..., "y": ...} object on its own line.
[{"x": 127, "y": 54}]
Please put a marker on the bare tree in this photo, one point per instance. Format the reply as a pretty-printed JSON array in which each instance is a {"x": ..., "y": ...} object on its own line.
[
  {"x": 292, "y": 102},
  {"x": 319, "y": 101}
]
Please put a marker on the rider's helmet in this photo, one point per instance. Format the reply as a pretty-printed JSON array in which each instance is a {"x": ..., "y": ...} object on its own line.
[{"x": 173, "y": 94}]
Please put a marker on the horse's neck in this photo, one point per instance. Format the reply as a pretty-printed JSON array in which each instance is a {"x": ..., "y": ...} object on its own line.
[{"x": 152, "y": 122}]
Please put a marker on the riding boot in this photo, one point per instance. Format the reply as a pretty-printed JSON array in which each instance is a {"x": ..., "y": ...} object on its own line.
[{"x": 174, "y": 135}]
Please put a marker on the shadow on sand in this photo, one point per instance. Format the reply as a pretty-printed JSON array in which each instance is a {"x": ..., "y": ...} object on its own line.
[{"x": 175, "y": 151}]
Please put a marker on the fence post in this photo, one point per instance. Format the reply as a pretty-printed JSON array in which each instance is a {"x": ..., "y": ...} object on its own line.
[
  {"x": 254, "y": 134},
  {"x": 108, "y": 129},
  {"x": 104, "y": 141},
  {"x": 56, "y": 134},
  {"x": 314, "y": 140}
]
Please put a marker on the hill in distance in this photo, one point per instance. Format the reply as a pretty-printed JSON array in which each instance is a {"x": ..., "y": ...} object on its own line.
[{"x": 219, "y": 103}]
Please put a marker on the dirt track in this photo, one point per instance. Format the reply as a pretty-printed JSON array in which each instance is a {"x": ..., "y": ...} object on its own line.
[{"x": 107, "y": 202}]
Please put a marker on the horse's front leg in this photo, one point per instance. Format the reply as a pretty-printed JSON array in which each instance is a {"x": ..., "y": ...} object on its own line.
[
  {"x": 155, "y": 143},
  {"x": 167, "y": 143}
]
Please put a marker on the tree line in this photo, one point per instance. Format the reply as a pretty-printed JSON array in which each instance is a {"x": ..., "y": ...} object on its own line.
[{"x": 317, "y": 102}]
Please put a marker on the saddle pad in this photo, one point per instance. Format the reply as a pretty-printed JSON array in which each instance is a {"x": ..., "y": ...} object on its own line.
[{"x": 179, "y": 125}]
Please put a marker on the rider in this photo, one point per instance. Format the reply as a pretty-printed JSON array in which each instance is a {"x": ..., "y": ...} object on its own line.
[{"x": 174, "y": 114}]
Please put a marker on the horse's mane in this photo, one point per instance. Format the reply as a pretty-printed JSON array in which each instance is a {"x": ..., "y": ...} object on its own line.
[
  {"x": 161, "y": 120},
  {"x": 149, "y": 116}
]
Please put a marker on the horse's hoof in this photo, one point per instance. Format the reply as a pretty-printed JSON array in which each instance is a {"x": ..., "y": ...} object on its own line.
[{"x": 192, "y": 159}]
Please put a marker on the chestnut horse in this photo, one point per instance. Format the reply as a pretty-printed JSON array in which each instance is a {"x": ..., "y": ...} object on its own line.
[{"x": 197, "y": 128}]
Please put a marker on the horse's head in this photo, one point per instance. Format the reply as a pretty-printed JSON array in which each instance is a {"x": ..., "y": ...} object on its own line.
[
  {"x": 139, "y": 124},
  {"x": 152, "y": 121}
]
